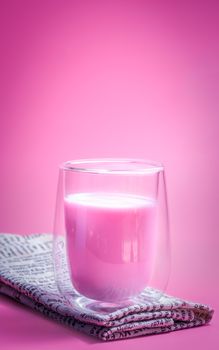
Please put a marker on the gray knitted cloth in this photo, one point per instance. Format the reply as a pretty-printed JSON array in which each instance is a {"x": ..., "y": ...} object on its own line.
[{"x": 26, "y": 275}]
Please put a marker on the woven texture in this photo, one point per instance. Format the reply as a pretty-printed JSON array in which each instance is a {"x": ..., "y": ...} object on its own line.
[{"x": 26, "y": 275}]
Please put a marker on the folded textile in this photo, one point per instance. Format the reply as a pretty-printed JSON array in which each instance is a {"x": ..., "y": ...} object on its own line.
[{"x": 26, "y": 275}]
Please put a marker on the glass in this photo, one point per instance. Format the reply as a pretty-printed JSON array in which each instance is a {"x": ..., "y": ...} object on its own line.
[{"x": 111, "y": 232}]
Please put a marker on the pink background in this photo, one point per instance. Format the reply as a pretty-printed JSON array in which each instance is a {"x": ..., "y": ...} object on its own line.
[{"x": 83, "y": 79}]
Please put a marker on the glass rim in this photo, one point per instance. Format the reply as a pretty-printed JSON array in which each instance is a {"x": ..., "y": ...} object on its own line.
[{"x": 117, "y": 166}]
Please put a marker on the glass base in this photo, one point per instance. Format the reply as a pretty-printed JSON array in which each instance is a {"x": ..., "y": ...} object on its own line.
[
  {"x": 102, "y": 306},
  {"x": 76, "y": 300}
]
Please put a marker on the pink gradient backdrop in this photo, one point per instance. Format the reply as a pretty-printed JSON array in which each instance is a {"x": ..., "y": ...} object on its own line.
[{"x": 84, "y": 79}]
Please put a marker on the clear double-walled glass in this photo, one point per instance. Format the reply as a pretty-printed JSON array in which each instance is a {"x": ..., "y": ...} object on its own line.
[{"x": 111, "y": 232}]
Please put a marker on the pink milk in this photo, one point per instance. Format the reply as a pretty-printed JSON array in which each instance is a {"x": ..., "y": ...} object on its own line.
[{"x": 110, "y": 243}]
